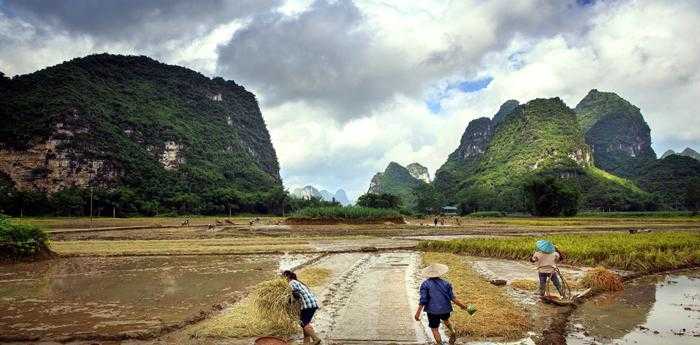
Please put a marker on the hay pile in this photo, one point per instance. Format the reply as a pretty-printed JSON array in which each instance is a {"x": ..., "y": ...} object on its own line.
[
  {"x": 525, "y": 284},
  {"x": 498, "y": 316},
  {"x": 314, "y": 276},
  {"x": 267, "y": 311},
  {"x": 602, "y": 279}
]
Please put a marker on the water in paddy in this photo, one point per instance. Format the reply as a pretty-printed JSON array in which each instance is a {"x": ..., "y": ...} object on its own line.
[
  {"x": 108, "y": 296},
  {"x": 659, "y": 309}
]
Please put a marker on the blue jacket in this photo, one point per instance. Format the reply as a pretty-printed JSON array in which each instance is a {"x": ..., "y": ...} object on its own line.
[{"x": 436, "y": 295}]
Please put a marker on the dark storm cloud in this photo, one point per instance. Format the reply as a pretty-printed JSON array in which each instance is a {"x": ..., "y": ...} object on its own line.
[
  {"x": 324, "y": 55},
  {"x": 328, "y": 55},
  {"x": 133, "y": 21}
]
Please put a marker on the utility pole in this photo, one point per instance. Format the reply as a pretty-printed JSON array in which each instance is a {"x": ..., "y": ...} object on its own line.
[{"x": 90, "y": 207}]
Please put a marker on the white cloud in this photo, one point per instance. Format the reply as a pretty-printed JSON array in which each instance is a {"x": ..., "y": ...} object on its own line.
[{"x": 343, "y": 85}]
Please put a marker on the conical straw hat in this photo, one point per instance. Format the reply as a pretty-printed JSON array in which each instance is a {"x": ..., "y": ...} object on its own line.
[{"x": 434, "y": 270}]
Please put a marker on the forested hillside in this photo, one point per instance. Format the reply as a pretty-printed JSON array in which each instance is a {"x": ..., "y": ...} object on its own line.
[{"x": 146, "y": 137}]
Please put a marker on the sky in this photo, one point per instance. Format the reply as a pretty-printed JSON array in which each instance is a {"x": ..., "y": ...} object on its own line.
[{"x": 347, "y": 86}]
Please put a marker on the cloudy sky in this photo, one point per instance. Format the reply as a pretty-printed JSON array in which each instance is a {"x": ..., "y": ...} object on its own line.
[{"x": 348, "y": 86}]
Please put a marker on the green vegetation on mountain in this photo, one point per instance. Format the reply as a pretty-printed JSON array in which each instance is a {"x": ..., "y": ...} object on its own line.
[
  {"x": 539, "y": 139},
  {"x": 550, "y": 196},
  {"x": 382, "y": 200},
  {"x": 671, "y": 179},
  {"x": 616, "y": 132},
  {"x": 146, "y": 136},
  {"x": 462, "y": 162},
  {"x": 396, "y": 180}
]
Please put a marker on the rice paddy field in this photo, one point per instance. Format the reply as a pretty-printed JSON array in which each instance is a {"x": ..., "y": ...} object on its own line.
[
  {"x": 645, "y": 252},
  {"x": 362, "y": 272}
]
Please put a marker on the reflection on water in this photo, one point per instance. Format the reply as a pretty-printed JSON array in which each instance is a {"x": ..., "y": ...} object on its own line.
[
  {"x": 111, "y": 295},
  {"x": 651, "y": 310}
]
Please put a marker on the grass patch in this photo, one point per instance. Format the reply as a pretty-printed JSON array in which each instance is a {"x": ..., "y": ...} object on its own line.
[
  {"x": 21, "y": 240},
  {"x": 487, "y": 214},
  {"x": 497, "y": 315},
  {"x": 347, "y": 212},
  {"x": 655, "y": 214},
  {"x": 640, "y": 252}
]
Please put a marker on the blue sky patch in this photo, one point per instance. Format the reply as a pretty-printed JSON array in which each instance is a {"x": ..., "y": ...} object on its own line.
[{"x": 433, "y": 103}]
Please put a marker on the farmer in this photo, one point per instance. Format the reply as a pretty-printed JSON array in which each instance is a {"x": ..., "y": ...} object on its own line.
[
  {"x": 309, "y": 305},
  {"x": 545, "y": 257},
  {"x": 436, "y": 298}
]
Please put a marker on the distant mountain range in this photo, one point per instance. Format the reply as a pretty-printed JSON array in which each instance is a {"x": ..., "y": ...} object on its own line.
[
  {"x": 308, "y": 192},
  {"x": 688, "y": 152},
  {"x": 603, "y": 146}
]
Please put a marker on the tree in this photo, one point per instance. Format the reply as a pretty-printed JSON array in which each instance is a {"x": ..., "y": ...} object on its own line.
[
  {"x": 427, "y": 198},
  {"x": 383, "y": 200},
  {"x": 550, "y": 196},
  {"x": 692, "y": 195},
  {"x": 68, "y": 202}
]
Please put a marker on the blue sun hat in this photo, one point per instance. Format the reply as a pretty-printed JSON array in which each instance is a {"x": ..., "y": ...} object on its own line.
[{"x": 545, "y": 246}]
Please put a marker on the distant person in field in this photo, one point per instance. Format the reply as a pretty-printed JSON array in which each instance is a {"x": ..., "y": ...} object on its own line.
[
  {"x": 309, "y": 305},
  {"x": 435, "y": 221},
  {"x": 545, "y": 257},
  {"x": 436, "y": 298}
]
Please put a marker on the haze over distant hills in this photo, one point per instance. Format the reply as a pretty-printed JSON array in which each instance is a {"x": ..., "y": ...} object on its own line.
[
  {"x": 688, "y": 152},
  {"x": 308, "y": 192}
]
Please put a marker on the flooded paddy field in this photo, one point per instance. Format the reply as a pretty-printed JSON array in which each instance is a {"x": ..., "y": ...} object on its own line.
[
  {"x": 109, "y": 298},
  {"x": 155, "y": 285},
  {"x": 657, "y": 309}
]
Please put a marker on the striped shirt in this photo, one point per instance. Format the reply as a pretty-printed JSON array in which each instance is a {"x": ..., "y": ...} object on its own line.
[{"x": 303, "y": 294}]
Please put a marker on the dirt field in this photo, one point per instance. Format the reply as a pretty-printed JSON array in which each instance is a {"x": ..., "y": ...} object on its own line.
[{"x": 153, "y": 281}]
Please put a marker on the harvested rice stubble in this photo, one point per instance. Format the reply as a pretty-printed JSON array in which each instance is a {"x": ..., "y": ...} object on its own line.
[{"x": 498, "y": 316}]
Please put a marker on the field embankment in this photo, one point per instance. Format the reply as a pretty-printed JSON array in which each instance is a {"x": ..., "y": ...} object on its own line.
[
  {"x": 644, "y": 252},
  {"x": 345, "y": 215}
]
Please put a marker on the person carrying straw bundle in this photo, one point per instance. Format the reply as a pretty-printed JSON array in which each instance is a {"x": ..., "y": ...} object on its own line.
[
  {"x": 436, "y": 298},
  {"x": 309, "y": 305},
  {"x": 545, "y": 257}
]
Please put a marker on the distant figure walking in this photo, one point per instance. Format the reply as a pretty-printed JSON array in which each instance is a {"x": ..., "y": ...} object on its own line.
[
  {"x": 435, "y": 221},
  {"x": 545, "y": 257},
  {"x": 436, "y": 298},
  {"x": 309, "y": 305}
]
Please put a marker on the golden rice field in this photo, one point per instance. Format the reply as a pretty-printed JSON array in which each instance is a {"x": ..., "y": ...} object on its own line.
[
  {"x": 497, "y": 315},
  {"x": 644, "y": 252}
]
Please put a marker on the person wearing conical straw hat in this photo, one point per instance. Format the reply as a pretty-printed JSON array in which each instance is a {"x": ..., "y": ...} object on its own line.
[
  {"x": 545, "y": 257},
  {"x": 436, "y": 298}
]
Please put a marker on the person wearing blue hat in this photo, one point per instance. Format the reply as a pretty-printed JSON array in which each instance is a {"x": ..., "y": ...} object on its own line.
[{"x": 545, "y": 257}]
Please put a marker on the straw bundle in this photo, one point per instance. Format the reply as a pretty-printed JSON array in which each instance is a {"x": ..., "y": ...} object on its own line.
[
  {"x": 267, "y": 311},
  {"x": 272, "y": 300},
  {"x": 602, "y": 279}
]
